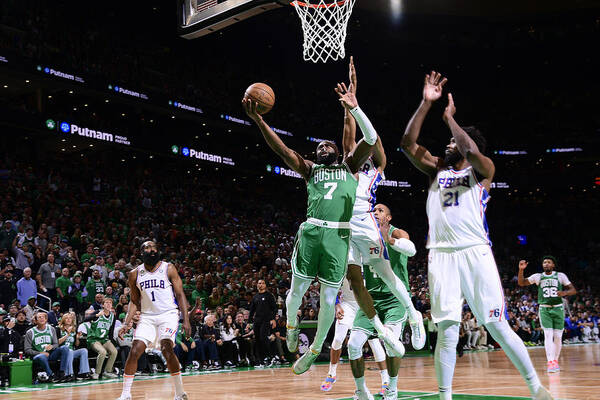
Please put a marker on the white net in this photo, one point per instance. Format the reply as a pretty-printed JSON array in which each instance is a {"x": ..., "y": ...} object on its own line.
[{"x": 324, "y": 25}]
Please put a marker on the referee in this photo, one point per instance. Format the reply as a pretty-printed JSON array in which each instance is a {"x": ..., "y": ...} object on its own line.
[{"x": 262, "y": 314}]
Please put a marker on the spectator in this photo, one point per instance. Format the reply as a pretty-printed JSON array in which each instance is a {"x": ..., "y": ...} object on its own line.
[
  {"x": 54, "y": 314},
  {"x": 63, "y": 283},
  {"x": 95, "y": 285},
  {"x": 245, "y": 340},
  {"x": 229, "y": 334},
  {"x": 432, "y": 330},
  {"x": 262, "y": 314},
  {"x": 101, "y": 268},
  {"x": 30, "y": 309},
  {"x": 77, "y": 294},
  {"x": 23, "y": 258},
  {"x": 98, "y": 339},
  {"x": 7, "y": 235},
  {"x": 22, "y": 325},
  {"x": 185, "y": 348},
  {"x": 41, "y": 344},
  {"x": 47, "y": 275},
  {"x": 69, "y": 338},
  {"x": 212, "y": 339},
  {"x": 10, "y": 340},
  {"x": 26, "y": 287},
  {"x": 117, "y": 281},
  {"x": 8, "y": 286}
]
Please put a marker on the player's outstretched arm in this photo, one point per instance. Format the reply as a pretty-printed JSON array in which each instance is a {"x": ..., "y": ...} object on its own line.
[
  {"x": 134, "y": 303},
  {"x": 522, "y": 281},
  {"x": 349, "y": 136},
  {"x": 180, "y": 296},
  {"x": 379, "y": 154},
  {"x": 467, "y": 147},
  {"x": 361, "y": 152},
  {"x": 294, "y": 160},
  {"x": 418, "y": 155}
]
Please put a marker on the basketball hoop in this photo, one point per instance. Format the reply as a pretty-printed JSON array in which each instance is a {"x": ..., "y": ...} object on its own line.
[{"x": 324, "y": 25}]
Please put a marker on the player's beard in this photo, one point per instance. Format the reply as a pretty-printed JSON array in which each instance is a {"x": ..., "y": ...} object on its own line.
[
  {"x": 452, "y": 158},
  {"x": 330, "y": 159}
]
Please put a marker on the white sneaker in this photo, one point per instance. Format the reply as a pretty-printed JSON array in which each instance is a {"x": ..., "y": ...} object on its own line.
[
  {"x": 390, "y": 394},
  {"x": 418, "y": 335},
  {"x": 543, "y": 394},
  {"x": 109, "y": 375},
  {"x": 361, "y": 395},
  {"x": 127, "y": 397},
  {"x": 182, "y": 397},
  {"x": 95, "y": 376}
]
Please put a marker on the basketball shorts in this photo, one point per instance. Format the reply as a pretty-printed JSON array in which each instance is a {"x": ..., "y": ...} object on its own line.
[
  {"x": 467, "y": 274},
  {"x": 552, "y": 317},
  {"x": 159, "y": 326},
  {"x": 389, "y": 310},
  {"x": 366, "y": 242},
  {"x": 350, "y": 309},
  {"x": 321, "y": 252}
]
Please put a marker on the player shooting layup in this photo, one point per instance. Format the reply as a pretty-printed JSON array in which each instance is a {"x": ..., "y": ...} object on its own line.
[
  {"x": 461, "y": 263},
  {"x": 321, "y": 248},
  {"x": 154, "y": 286}
]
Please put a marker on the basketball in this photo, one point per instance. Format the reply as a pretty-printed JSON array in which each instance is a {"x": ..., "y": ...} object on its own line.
[{"x": 263, "y": 95}]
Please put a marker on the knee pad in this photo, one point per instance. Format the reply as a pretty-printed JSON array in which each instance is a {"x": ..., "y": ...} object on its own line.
[{"x": 378, "y": 352}]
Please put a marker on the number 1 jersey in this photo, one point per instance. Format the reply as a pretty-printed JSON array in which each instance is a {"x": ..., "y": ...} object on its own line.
[
  {"x": 156, "y": 290},
  {"x": 456, "y": 206}
]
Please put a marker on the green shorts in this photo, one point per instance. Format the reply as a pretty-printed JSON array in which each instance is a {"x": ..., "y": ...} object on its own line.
[
  {"x": 321, "y": 252},
  {"x": 390, "y": 312},
  {"x": 552, "y": 317}
]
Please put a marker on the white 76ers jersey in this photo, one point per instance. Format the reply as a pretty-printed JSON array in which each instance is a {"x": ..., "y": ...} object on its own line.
[
  {"x": 369, "y": 178},
  {"x": 456, "y": 207},
  {"x": 156, "y": 290}
]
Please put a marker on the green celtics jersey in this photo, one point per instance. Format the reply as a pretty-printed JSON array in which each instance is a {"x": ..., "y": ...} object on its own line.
[
  {"x": 548, "y": 289},
  {"x": 375, "y": 285},
  {"x": 41, "y": 338},
  {"x": 331, "y": 193},
  {"x": 99, "y": 328},
  {"x": 70, "y": 342}
]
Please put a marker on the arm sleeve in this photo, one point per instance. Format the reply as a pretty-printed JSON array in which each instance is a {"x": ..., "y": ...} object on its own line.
[
  {"x": 405, "y": 246},
  {"x": 366, "y": 127},
  {"x": 535, "y": 278},
  {"x": 562, "y": 278}
]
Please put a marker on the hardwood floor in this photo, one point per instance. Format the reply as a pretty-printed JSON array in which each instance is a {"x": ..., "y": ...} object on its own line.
[{"x": 482, "y": 373}]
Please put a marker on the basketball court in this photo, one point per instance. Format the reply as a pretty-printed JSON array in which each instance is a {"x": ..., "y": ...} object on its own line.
[{"x": 485, "y": 375}]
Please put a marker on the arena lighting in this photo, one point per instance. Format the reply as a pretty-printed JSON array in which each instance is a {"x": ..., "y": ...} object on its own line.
[
  {"x": 510, "y": 152},
  {"x": 597, "y": 181},
  {"x": 564, "y": 150},
  {"x": 74, "y": 129},
  {"x": 277, "y": 170},
  {"x": 314, "y": 139},
  {"x": 198, "y": 154},
  {"x": 390, "y": 183},
  {"x": 60, "y": 74},
  {"x": 128, "y": 92},
  {"x": 244, "y": 122},
  {"x": 179, "y": 104},
  {"x": 3, "y": 59},
  {"x": 499, "y": 185}
]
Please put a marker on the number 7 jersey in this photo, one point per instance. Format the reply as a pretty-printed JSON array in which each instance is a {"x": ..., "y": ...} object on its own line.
[
  {"x": 456, "y": 206},
  {"x": 156, "y": 291}
]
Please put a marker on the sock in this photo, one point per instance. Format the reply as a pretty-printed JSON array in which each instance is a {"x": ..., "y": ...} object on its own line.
[
  {"x": 549, "y": 344},
  {"x": 332, "y": 369},
  {"x": 361, "y": 384},
  {"x": 385, "y": 377},
  {"x": 445, "y": 357},
  {"x": 384, "y": 270},
  {"x": 328, "y": 295},
  {"x": 393, "y": 383},
  {"x": 377, "y": 324},
  {"x": 127, "y": 382},
  {"x": 293, "y": 301},
  {"x": 178, "y": 383},
  {"x": 516, "y": 352}
]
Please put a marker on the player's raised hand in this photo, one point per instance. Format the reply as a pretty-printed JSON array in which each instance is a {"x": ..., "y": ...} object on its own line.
[
  {"x": 346, "y": 97},
  {"x": 352, "y": 75},
  {"x": 250, "y": 107},
  {"x": 523, "y": 264},
  {"x": 432, "y": 90},
  {"x": 450, "y": 108}
]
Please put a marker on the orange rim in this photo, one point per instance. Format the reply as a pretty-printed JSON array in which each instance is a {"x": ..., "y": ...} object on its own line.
[{"x": 302, "y": 4}]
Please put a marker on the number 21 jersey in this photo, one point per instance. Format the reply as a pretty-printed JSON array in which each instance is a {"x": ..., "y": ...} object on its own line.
[{"x": 456, "y": 206}]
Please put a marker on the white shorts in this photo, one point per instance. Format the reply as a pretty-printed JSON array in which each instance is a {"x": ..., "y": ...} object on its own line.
[
  {"x": 350, "y": 309},
  {"x": 365, "y": 240},
  {"x": 160, "y": 326},
  {"x": 467, "y": 274}
]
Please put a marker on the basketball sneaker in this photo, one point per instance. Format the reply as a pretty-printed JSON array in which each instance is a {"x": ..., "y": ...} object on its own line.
[
  {"x": 303, "y": 363},
  {"x": 127, "y": 397},
  {"x": 292, "y": 337},
  {"x": 182, "y": 397},
  {"x": 556, "y": 367},
  {"x": 393, "y": 342},
  {"x": 384, "y": 387},
  {"x": 361, "y": 395},
  {"x": 328, "y": 383},
  {"x": 418, "y": 335},
  {"x": 389, "y": 394},
  {"x": 543, "y": 394}
]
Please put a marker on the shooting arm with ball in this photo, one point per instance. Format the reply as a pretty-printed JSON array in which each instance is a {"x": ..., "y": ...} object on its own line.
[{"x": 292, "y": 158}]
